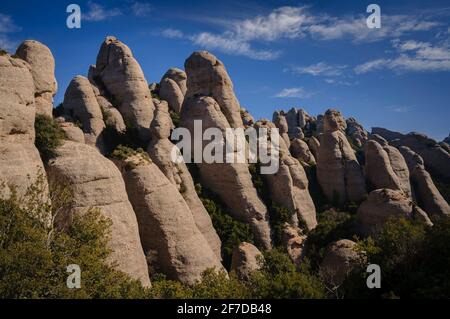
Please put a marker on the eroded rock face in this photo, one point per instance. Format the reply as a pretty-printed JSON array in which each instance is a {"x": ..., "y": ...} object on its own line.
[
  {"x": 384, "y": 204},
  {"x": 118, "y": 72},
  {"x": 288, "y": 187},
  {"x": 356, "y": 131},
  {"x": 436, "y": 158},
  {"x": 167, "y": 228},
  {"x": 314, "y": 144},
  {"x": 80, "y": 103},
  {"x": 20, "y": 163},
  {"x": 340, "y": 259},
  {"x": 171, "y": 92},
  {"x": 230, "y": 181},
  {"x": 206, "y": 75},
  {"x": 245, "y": 260},
  {"x": 247, "y": 118},
  {"x": 73, "y": 132},
  {"x": 180, "y": 78},
  {"x": 280, "y": 122},
  {"x": 338, "y": 171},
  {"x": 42, "y": 63},
  {"x": 378, "y": 169},
  {"x": 294, "y": 242},
  {"x": 428, "y": 196},
  {"x": 160, "y": 151},
  {"x": 96, "y": 182},
  {"x": 301, "y": 151}
]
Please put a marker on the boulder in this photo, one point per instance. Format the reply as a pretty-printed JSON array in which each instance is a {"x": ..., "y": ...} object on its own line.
[
  {"x": 356, "y": 131},
  {"x": 80, "y": 103},
  {"x": 207, "y": 76},
  {"x": 247, "y": 118},
  {"x": 171, "y": 92},
  {"x": 338, "y": 171},
  {"x": 378, "y": 169},
  {"x": 180, "y": 78},
  {"x": 73, "y": 132},
  {"x": 427, "y": 194},
  {"x": 382, "y": 205},
  {"x": 95, "y": 181},
  {"x": 300, "y": 150},
  {"x": 167, "y": 228},
  {"x": 246, "y": 259},
  {"x": 118, "y": 72},
  {"x": 314, "y": 144},
  {"x": 280, "y": 122},
  {"x": 340, "y": 259},
  {"x": 232, "y": 182},
  {"x": 42, "y": 63},
  {"x": 160, "y": 151}
]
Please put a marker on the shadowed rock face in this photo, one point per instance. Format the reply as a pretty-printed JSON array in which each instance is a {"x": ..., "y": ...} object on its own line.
[
  {"x": 173, "y": 88},
  {"x": 42, "y": 65},
  {"x": 300, "y": 150},
  {"x": 425, "y": 191},
  {"x": 356, "y": 131},
  {"x": 436, "y": 158},
  {"x": 230, "y": 181},
  {"x": 340, "y": 259},
  {"x": 245, "y": 260},
  {"x": 180, "y": 78},
  {"x": 288, "y": 187},
  {"x": 338, "y": 171},
  {"x": 378, "y": 169},
  {"x": 280, "y": 122},
  {"x": 20, "y": 163},
  {"x": 96, "y": 182},
  {"x": 167, "y": 228},
  {"x": 207, "y": 76},
  {"x": 80, "y": 103},
  {"x": 384, "y": 204},
  {"x": 121, "y": 76},
  {"x": 160, "y": 151}
]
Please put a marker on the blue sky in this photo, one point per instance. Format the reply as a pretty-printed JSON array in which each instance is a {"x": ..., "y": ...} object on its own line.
[{"x": 279, "y": 54}]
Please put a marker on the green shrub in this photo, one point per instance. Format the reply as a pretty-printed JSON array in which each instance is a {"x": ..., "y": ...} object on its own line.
[
  {"x": 34, "y": 253},
  {"x": 279, "y": 279},
  {"x": 175, "y": 118},
  {"x": 123, "y": 152},
  {"x": 49, "y": 136}
]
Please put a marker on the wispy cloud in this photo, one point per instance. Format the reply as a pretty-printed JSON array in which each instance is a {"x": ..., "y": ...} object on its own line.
[
  {"x": 297, "y": 92},
  {"x": 172, "y": 33},
  {"x": 7, "y": 26},
  {"x": 98, "y": 12},
  {"x": 232, "y": 46},
  {"x": 246, "y": 36},
  {"x": 141, "y": 9},
  {"x": 413, "y": 56},
  {"x": 400, "y": 109},
  {"x": 318, "y": 69}
]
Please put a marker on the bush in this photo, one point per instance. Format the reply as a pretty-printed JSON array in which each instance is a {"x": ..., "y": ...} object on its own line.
[
  {"x": 34, "y": 253},
  {"x": 279, "y": 279},
  {"x": 49, "y": 136}
]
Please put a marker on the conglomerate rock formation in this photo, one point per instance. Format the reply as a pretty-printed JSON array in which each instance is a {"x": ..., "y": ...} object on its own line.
[{"x": 159, "y": 221}]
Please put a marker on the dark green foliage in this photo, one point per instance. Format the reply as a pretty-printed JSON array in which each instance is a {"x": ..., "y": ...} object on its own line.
[
  {"x": 231, "y": 232},
  {"x": 123, "y": 152},
  {"x": 278, "y": 217},
  {"x": 414, "y": 260},
  {"x": 175, "y": 118},
  {"x": 49, "y": 136},
  {"x": 443, "y": 187},
  {"x": 34, "y": 254},
  {"x": 332, "y": 226},
  {"x": 280, "y": 279},
  {"x": 3, "y": 52}
]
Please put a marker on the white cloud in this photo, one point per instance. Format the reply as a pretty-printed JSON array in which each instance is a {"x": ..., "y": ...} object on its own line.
[
  {"x": 231, "y": 46},
  {"x": 141, "y": 9},
  {"x": 239, "y": 37},
  {"x": 99, "y": 13},
  {"x": 7, "y": 26},
  {"x": 414, "y": 56},
  {"x": 319, "y": 69},
  {"x": 298, "y": 92},
  {"x": 172, "y": 34}
]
